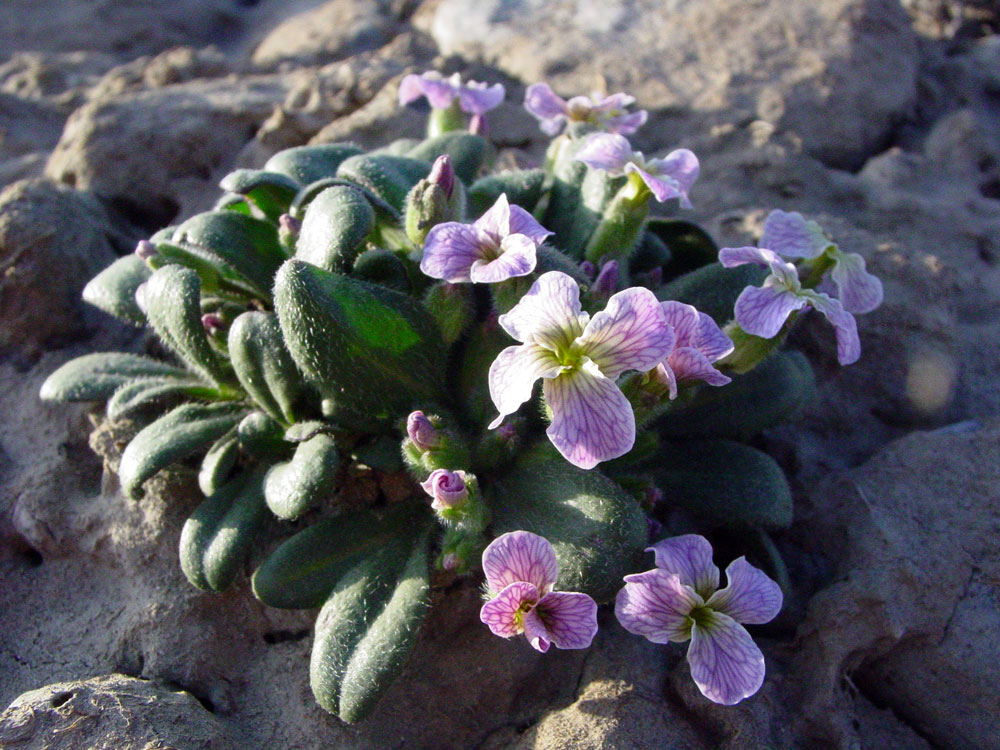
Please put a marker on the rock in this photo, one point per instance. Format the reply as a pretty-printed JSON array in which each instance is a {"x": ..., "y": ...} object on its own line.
[
  {"x": 122, "y": 29},
  {"x": 61, "y": 79},
  {"x": 807, "y": 68},
  {"x": 159, "y": 153},
  {"x": 915, "y": 590},
  {"x": 52, "y": 241},
  {"x": 335, "y": 29},
  {"x": 111, "y": 712}
]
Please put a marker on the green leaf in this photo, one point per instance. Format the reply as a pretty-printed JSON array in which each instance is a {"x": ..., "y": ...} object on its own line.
[
  {"x": 176, "y": 435},
  {"x": 389, "y": 177},
  {"x": 292, "y": 487},
  {"x": 142, "y": 392},
  {"x": 219, "y": 462},
  {"x": 523, "y": 188},
  {"x": 383, "y": 267},
  {"x": 725, "y": 482},
  {"x": 304, "y": 569},
  {"x": 263, "y": 365},
  {"x": 762, "y": 398},
  {"x": 113, "y": 289},
  {"x": 368, "y": 626},
  {"x": 334, "y": 229},
  {"x": 596, "y": 528},
  {"x": 691, "y": 247},
  {"x": 218, "y": 537},
  {"x": 307, "y": 164},
  {"x": 95, "y": 377},
  {"x": 271, "y": 192},
  {"x": 467, "y": 152},
  {"x": 172, "y": 300},
  {"x": 262, "y": 436},
  {"x": 713, "y": 289},
  {"x": 371, "y": 348},
  {"x": 383, "y": 211}
]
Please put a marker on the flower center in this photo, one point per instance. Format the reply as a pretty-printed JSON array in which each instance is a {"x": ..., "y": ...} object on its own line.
[{"x": 702, "y": 616}]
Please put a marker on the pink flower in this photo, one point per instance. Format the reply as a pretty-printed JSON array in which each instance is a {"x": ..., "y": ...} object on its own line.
[
  {"x": 579, "y": 358},
  {"x": 499, "y": 245},
  {"x": 607, "y": 112},
  {"x": 680, "y": 599},
  {"x": 473, "y": 97},
  {"x": 521, "y": 570},
  {"x": 700, "y": 342},
  {"x": 670, "y": 177}
]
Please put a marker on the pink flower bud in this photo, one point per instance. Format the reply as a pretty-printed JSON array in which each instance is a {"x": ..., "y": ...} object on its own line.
[
  {"x": 606, "y": 283},
  {"x": 447, "y": 488},
  {"x": 443, "y": 174},
  {"x": 211, "y": 323},
  {"x": 289, "y": 224},
  {"x": 451, "y": 561},
  {"x": 145, "y": 249},
  {"x": 422, "y": 432},
  {"x": 589, "y": 269}
]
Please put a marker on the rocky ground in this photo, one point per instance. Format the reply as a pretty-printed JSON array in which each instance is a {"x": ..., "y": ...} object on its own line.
[{"x": 880, "y": 120}]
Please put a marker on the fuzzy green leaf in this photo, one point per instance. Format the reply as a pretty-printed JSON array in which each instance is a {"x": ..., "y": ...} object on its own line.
[
  {"x": 334, "y": 229},
  {"x": 307, "y": 164},
  {"x": 95, "y": 377},
  {"x": 292, "y": 487},
  {"x": 263, "y": 365},
  {"x": 467, "y": 152},
  {"x": 271, "y": 192},
  {"x": 523, "y": 188},
  {"x": 113, "y": 289}
]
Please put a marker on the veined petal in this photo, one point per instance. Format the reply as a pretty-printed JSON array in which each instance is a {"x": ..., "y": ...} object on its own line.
[
  {"x": 496, "y": 221},
  {"x": 592, "y": 421},
  {"x": 607, "y": 151},
  {"x": 520, "y": 556},
  {"x": 665, "y": 375},
  {"x": 762, "y": 311},
  {"x": 535, "y": 631},
  {"x": 730, "y": 257},
  {"x": 663, "y": 187},
  {"x": 501, "y": 612},
  {"x": 478, "y": 98},
  {"x": 517, "y": 258},
  {"x": 680, "y": 168},
  {"x": 844, "y": 324},
  {"x": 449, "y": 252},
  {"x": 858, "y": 291},
  {"x": 521, "y": 222},
  {"x": 725, "y": 663},
  {"x": 542, "y": 102},
  {"x": 749, "y": 596},
  {"x": 655, "y": 604},
  {"x": 513, "y": 375},
  {"x": 570, "y": 618},
  {"x": 631, "y": 333},
  {"x": 690, "y": 557},
  {"x": 711, "y": 341},
  {"x": 549, "y": 313},
  {"x": 688, "y": 364},
  {"x": 790, "y": 235},
  {"x": 684, "y": 320}
]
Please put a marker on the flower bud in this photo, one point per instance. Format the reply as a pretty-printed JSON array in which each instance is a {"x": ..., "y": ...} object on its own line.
[
  {"x": 606, "y": 283},
  {"x": 145, "y": 249},
  {"x": 212, "y": 323},
  {"x": 447, "y": 488},
  {"x": 589, "y": 269},
  {"x": 422, "y": 432},
  {"x": 443, "y": 174}
]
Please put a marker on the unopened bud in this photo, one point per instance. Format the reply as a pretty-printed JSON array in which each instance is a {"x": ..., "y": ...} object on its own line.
[
  {"x": 450, "y": 561},
  {"x": 447, "y": 488},
  {"x": 288, "y": 223},
  {"x": 588, "y": 268},
  {"x": 606, "y": 283},
  {"x": 145, "y": 249},
  {"x": 211, "y": 323},
  {"x": 443, "y": 174},
  {"x": 422, "y": 432}
]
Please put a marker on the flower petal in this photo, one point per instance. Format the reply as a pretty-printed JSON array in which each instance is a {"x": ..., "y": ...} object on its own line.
[
  {"x": 689, "y": 364},
  {"x": 522, "y": 222},
  {"x": 549, "y": 313},
  {"x": 730, "y": 257},
  {"x": 846, "y": 327},
  {"x": 478, "y": 98},
  {"x": 749, "y": 596},
  {"x": 690, "y": 557},
  {"x": 711, "y": 341},
  {"x": 679, "y": 167},
  {"x": 663, "y": 187},
  {"x": 631, "y": 333},
  {"x": 495, "y": 222},
  {"x": 655, "y": 604},
  {"x": 592, "y": 421},
  {"x": 517, "y": 258},
  {"x": 790, "y": 235},
  {"x": 570, "y": 618},
  {"x": 520, "y": 556},
  {"x": 513, "y": 374},
  {"x": 542, "y": 102},
  {"x": 664, "y": 374},
  {"x": 500, "y": 613},
  {"x": 684, "y": 320},
  {"x": 858, "y": 291},
  {"x": 725, "y": 663},
  {"x": 762, "y": 311},
  {"x": 450, "y": 250},
  {"x": 535, "y": 631},
  {"x": 626, "y": 124},
  {"x": 607, "y": 151},
  {"x": 410, "y": 89}
]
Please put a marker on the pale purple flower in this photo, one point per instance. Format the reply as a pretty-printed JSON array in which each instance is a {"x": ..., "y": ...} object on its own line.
[
  {"x": 473, "y": 97},
  {"x": 607, "y": 112},
  {"x": 789, "y": 235},
  {"x": 680, "y": 599},
  {"x": 521, "y": 570},
  {"x": 422, "y": 432},
  {"x": 499, "y": 245},
  {"x": 579, "y": 358},
  {"x": 670, "y": 177},
  {"x": 763, "y": 310},
  {"x": 700, "y": 342},
  {"x": 448, "y": 488}
]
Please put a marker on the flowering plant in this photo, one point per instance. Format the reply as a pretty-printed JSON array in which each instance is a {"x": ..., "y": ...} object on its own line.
[{"x": 337, "y": 302}]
